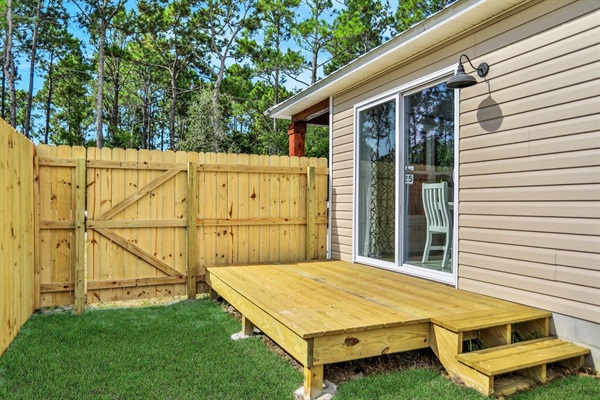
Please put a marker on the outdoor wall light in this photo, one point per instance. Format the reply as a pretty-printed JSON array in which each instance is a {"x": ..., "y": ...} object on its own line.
[{"x": 461, "y": 80}]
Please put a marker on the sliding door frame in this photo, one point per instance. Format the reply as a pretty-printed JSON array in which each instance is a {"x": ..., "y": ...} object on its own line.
[{"x": 398, "y": 94}]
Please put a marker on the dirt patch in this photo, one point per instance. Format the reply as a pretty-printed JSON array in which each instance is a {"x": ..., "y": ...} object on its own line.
[{"x": 136, "y": 303}]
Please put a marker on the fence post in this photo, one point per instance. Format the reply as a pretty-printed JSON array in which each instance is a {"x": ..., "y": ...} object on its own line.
[
  {"x": 37, "y": 290},
  {"x": 80, "y": 187},
  {"x": 192, "y": 237},
  {"x": 311, "y": 221}
]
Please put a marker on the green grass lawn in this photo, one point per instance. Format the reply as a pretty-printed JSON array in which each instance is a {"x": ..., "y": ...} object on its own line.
[
  {"x": 428, "y": 384},
  {"x": 184, "y": 351},
  {"x": 181, "y": 351}
]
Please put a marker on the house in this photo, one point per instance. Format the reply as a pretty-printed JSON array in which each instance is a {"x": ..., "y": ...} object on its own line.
[{"x": 517, "y": 154}]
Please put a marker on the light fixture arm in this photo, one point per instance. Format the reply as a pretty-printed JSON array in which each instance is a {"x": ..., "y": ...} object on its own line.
[{"x": 482, "y": 69}]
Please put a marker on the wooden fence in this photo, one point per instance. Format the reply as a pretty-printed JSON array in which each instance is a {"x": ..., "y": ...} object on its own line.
[
  {"x": 16, "y": 232},
  {"x": 155, "y": 219}
]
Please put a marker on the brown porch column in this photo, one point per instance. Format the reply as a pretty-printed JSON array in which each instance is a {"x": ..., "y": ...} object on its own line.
[{"x": 297, "y": 134}]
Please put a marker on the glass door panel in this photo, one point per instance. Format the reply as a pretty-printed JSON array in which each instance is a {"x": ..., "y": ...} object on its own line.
[
  {"x": 376, "y": 197},
  {"x": 429, "y": 158}
]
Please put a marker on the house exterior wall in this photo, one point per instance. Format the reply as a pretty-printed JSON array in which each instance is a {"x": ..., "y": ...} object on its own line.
[{"x": 529, "y": 154}]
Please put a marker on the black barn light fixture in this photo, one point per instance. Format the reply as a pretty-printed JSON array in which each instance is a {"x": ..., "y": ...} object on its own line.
[{"x": 461, "y": 79}]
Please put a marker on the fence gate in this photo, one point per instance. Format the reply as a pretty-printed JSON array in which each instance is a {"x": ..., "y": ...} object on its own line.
[
  {"x": 136, "y": 220},
  {"x": 154, "y": 219}
]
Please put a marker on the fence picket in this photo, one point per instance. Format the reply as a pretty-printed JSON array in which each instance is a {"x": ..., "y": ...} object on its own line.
[
  {"x": 322, "y": 197},
  {"x": 254, "y": 211},
  {"x": 264, "y": 197},
  {"x": 131, "y": 234},
  {"x": 144, "y": 212},
  {"x": 242, "y": 208},
  {"x": 118, "y": 195},
  {"x": 222, "y": 210},
  {"x": 294, "y": 202},
  {"x": 274, "y": 207},
  {"x": 311, "y": 226}
]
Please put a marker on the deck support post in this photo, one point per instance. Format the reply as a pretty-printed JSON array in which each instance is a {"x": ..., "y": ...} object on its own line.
[
  {"x": 313, "y": 381},
  {"x": 247, "y": 326}
]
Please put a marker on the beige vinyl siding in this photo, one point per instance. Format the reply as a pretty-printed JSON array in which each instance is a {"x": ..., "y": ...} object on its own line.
[
  {"x": 529, "y": 225},
  {"x": 529, "y": 200},
  {"x": 342, "y": 178}
]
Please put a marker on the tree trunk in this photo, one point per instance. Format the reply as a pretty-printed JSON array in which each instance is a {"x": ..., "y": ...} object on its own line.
[
  {"x": 276, "y": 95},
  {"x": 13, "y": 92},
  {"x": 32, "y": 68},
  {"x": 276, "y": 88},
  {"x": 2, "y": 114},
  {"x": 49, "y": 97},
  {"x": 315, "y": 56},
  {"x": 100, "y": 97},
  {"x": 48, "y": 110},
  {"x": 114, "y": 115},
  {"x": 9, "y": 65},
  {"x": 218, "y": 81},
  {"x": 145, "y": 118},
  {"x": 172, "y": 116},
  {"x": 150, "y": 127}
]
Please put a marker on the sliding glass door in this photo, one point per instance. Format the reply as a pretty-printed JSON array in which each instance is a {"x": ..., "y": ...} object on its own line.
[
  {"x": 429, "y": 187},
  {"x": 376, "y": 193},
  {"x": 404, "y": 182}
]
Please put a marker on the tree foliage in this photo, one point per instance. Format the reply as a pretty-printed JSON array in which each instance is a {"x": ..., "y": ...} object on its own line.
[
  {"x": 180, "y": 74},
  {"x": 411, "y": 12},
  {"x": 204, "y": 129},
  {"x": 359, "y": 27}
]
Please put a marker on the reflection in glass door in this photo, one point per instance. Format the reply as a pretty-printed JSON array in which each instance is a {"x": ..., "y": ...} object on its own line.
[
  {"x": 376, "y": 181},
  {"x": 429, "y": 154}
]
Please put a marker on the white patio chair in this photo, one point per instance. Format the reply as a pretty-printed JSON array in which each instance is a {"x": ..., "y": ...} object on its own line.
[{"x": 439, "y": 219}]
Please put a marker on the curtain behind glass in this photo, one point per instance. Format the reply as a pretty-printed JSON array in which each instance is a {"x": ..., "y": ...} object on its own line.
[{"x": 377, "y": 181}]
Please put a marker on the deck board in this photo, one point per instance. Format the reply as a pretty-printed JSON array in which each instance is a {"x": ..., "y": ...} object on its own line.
[
  {"x": 419, "y": 297},
  {"x": 323, "y": 298}
]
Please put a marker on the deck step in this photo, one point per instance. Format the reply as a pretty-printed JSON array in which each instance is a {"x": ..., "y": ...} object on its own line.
[
  {"x": 522, "y": 355},
  {"x": 475, "y": 320}
]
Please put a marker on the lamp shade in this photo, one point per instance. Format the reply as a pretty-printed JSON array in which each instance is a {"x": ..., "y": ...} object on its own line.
[{"x": 460, "y": 79}]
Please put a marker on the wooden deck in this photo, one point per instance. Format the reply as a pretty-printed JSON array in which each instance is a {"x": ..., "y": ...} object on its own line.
[{"x": 324, "y": 312}]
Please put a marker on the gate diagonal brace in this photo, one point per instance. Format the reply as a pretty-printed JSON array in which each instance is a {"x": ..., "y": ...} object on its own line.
[
  {"x": 139, "y": 252},
  {"x": 122, "y": 205}
]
